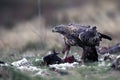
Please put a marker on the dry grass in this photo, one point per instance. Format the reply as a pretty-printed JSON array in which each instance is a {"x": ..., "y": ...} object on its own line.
[
  {"x": 28, "y": 32},
  {"x": 36, "y": 38},
  {"x": 104, "y": 14}
]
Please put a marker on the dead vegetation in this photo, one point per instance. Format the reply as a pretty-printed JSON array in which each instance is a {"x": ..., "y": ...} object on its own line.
[
  {"x": 103, "y": 14},
  {"x": 32, "y": 38}
]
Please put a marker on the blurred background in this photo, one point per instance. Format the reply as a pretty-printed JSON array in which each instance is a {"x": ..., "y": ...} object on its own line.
[
  {"x": 25, "y": 32},
  {"x": 26, "y": 24}
]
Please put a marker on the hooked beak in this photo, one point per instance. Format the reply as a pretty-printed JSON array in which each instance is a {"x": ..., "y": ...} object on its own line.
[{"x": 53, "y": 30}]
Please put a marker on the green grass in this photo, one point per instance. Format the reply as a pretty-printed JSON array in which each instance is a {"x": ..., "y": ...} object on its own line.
[
  {"x": 15, "y": 74},
  {"x": 91, "y": 72}
]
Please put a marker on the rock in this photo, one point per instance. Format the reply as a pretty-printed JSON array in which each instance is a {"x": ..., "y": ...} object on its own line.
[
  {"x": 2, "y": 63},
  {"x": 22, "y": 62},
  {"x": 25, "y": 65},
  {"x": 64, "y": 66},
  {"x": 111, "y": 50},
  {"x": 116, "y": 63}
]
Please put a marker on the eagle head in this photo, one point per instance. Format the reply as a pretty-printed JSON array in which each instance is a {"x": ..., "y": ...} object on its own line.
[{"x": 59, "y": 29}]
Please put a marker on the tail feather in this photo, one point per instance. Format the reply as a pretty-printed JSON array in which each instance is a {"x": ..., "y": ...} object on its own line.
[{"x": 105, "y": 36}]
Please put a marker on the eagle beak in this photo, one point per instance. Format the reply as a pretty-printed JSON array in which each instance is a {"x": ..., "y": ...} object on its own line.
[{"x": 53, "y": 30}]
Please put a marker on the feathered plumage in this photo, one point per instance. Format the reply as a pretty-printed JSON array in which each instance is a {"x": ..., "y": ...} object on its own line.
[{"x": 78, "y": 35}]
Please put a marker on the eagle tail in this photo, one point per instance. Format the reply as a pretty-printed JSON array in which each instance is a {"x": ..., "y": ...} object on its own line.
[{"x": 105, "y": 36}]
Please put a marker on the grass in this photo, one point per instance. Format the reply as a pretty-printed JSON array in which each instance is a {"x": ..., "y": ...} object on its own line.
[
  {"x": 15, "y": 74},
  {"x": 29, "y": 36},
  {"x": 25, "y": 76},
  {"x": 91, "y": 72},
  {"x": 86, "y": 74},
  {"x": 34, "y": 46}
]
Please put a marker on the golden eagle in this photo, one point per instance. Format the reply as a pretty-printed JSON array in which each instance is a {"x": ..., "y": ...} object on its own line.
[{"x": 86, "y": 37}]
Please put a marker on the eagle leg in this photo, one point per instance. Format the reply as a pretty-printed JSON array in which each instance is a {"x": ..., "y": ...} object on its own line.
[
  {"x": 83, "y": 57},
  {"x": 66, "y": 51},
  {"x": 90, "y": 54}
]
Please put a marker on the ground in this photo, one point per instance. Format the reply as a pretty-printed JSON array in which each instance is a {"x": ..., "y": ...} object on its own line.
[
  {"x": 91, "y": 71},
  {"x": 32, "y": 38}
]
